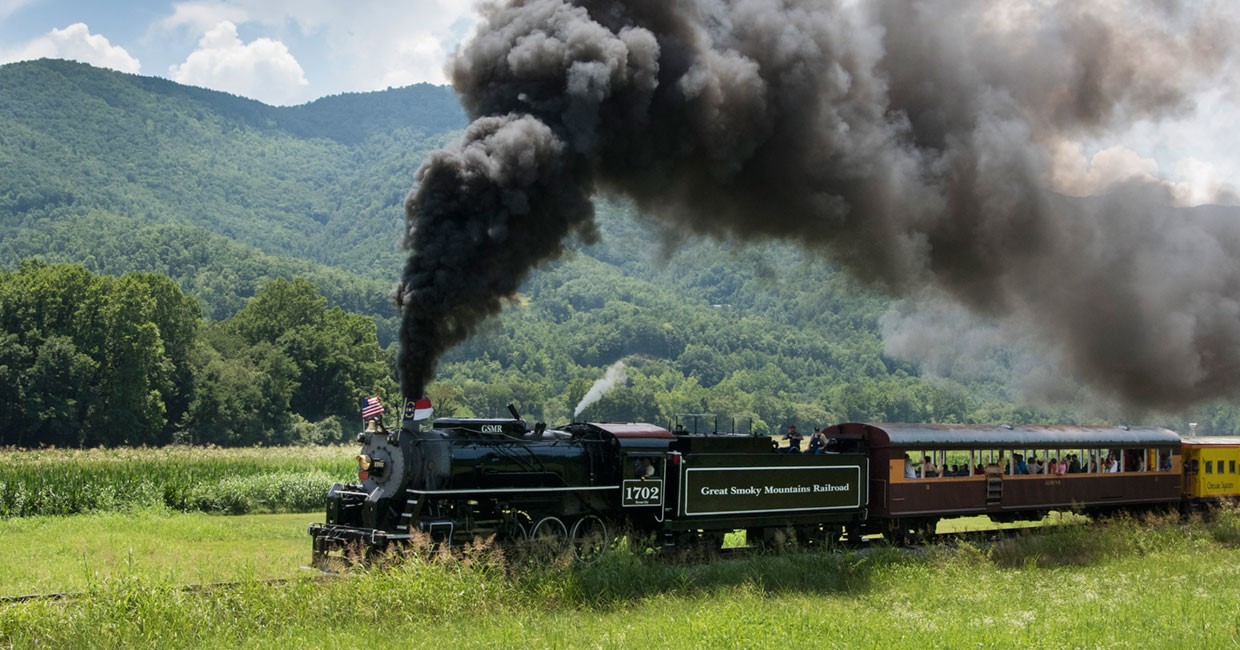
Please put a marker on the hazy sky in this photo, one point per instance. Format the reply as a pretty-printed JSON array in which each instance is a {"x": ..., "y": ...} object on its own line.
[
  {"x": 293, "y": 51},
  {"x": 276, "y": 51}
]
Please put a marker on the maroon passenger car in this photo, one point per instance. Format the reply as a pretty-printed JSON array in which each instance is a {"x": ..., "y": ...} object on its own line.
[{"x": 921, "y": 473}]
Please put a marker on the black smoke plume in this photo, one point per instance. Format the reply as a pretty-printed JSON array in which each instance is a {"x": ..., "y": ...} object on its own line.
[{"x": 908, "y": 141}]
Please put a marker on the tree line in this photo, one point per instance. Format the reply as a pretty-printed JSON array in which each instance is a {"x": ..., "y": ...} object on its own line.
[{"x": 95, "y": 360}]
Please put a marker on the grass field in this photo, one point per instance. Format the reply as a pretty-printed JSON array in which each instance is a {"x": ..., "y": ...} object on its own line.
[
  {"x": 235, "y": 481},
  {"x": 1157, "y": 583},
  {"x": 68, "y": 554}
]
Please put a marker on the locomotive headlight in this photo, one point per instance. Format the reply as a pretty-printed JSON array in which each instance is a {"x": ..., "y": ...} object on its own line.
[{"x": 363, "y": 462}]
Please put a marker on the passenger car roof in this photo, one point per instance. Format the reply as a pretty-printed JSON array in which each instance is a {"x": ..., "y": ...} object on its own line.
[
  {"x": 1017, "y": 436},
  {"x": 1221, "y": 441}
]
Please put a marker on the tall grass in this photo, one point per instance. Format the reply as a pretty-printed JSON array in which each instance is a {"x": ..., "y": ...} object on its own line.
[
  {"x": 1152, "y": 583},
  {"x": 263, "y": 479},
  {"x": 1084, "y": 545}
]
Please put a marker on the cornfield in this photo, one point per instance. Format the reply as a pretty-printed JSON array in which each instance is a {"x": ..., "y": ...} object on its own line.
[{"x": 235, "y": 481}]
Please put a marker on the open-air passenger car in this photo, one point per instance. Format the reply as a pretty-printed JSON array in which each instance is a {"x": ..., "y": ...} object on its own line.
[{"x": 921, "y": 473}]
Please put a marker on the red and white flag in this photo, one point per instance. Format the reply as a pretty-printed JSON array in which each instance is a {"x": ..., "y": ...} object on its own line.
[
  {"x": 371, "y": 406},
  {"x": 418, "y": 409}
]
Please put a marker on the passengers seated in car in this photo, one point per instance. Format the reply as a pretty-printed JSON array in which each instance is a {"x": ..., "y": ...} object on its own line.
[
  {"x": 910, "y": 470},
  {"x": 794, "y": 440},
  {"x": 928, "y": 468},
  {"x": 1034, "y": 465},
  {"x": 1019, "y": 466},
  {"x": 1074, "y": 464},
  {"x": 817, "y": 441}
]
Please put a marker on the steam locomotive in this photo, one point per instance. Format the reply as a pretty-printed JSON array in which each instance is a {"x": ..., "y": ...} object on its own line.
[
  {"x": 575, "y": 486},
  {"x": 578, "y": 484}
]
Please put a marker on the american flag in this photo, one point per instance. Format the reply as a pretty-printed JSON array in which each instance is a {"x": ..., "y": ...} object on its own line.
[{"x": 371, "y": 406}]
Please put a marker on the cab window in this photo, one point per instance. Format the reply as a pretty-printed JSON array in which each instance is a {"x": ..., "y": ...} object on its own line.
[{"x": 644, "y": 467}]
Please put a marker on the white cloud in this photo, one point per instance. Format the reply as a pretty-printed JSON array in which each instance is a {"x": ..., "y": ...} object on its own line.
[
  {"x": 263, "y": 69},
  {"x": 410, "y": 44},
  {"x": 1074, "y": 174},
  {"x": 382, "y": 43},
  {"x": 202, "y": 17},
  {"x": 417, "y": 59},
  {"x": 1192, "y": 181},
  {"x": 76, "y": 43},
  {"x": 373, "y": 44},
  {"x": 1198, "y": 182}
]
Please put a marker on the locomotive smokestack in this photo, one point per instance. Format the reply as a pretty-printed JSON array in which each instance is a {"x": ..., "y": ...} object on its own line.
[{"x": 919, "y": 153}]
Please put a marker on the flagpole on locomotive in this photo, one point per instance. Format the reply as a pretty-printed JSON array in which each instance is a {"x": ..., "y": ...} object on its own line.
[{"x": 414, "y": 411}]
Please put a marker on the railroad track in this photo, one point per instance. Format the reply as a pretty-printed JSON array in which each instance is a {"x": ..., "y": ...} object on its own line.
[{"x": 205, "y": 587}]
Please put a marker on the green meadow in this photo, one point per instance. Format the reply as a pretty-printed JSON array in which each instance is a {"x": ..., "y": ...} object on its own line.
[
  {"x": 75, "y": 554},
  {"x": 1153, "y": 582},
  {"x": 233, "y": 481}
]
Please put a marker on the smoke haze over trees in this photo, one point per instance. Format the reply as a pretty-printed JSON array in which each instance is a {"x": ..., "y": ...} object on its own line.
[{"x": 914, "y": 145}]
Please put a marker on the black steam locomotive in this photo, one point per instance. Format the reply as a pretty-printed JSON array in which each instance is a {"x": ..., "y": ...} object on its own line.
[{"x": 580, "y": 483}]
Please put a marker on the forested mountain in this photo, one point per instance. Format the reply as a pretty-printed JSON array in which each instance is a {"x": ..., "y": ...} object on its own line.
[{"x": 121, "y": 173}]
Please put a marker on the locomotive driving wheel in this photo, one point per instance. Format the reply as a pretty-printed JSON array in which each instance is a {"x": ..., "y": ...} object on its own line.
[
  {"x": 515, "y": 528},
  {"x": 589, "y": 538},
  {"x": 548, "y": 538}
]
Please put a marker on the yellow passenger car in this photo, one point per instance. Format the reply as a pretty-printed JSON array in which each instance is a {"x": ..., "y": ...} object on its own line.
[{"x": 1211, "y": 468}]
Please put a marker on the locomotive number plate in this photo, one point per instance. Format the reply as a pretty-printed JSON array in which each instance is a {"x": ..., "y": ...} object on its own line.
[{"x": 637, "y": 493}]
